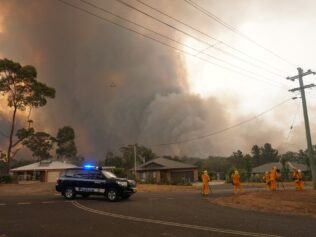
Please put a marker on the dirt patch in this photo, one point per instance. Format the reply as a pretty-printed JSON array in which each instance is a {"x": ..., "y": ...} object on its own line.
[
  {"x": 286, "y": 202},
  {"x": 27, "y": 189},
  {"x": 164, "y": 188}
]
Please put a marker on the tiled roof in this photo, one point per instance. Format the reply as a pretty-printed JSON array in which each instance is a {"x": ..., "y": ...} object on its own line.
[
  {"x": 269, "y": 166},
  {"x": 45, "y": 165},
  {"x": 164, "y": 164}
]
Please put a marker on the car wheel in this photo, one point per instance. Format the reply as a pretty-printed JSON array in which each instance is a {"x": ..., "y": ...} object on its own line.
[
  {"x": 69, "y": 193},
  {"x": 112, "y": 195}
]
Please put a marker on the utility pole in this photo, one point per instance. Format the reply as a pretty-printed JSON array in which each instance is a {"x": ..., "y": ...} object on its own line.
[
  {"x": 302, "y": 88},
  {"x": 135, "y": 160}
]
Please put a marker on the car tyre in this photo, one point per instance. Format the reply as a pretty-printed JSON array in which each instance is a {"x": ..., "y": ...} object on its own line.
[
  {"x": 69, "y": 193},
  {"x": 112, "y": 195}
]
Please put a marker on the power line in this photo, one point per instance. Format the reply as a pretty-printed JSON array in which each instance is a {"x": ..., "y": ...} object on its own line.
[
  {"x": 230, "y": 27},
  {"x": 294, "y": 118},
  {"x": 141, "y": 26},
  {"x": 224, "y": 129},
  {"x": 170, "y": 46},
  {"x": 222, "y": 42},
  {"x": 176, "y": 41},
  {"x": 177, "y": 29}
]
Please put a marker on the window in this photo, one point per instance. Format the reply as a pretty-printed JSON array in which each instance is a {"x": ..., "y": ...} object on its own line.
[
  {"x": 95, "y": 175},
  {"x": 81, "y": 174},
  {"x": 69, "y": 173},
  {"x": 108, "y": 174}
]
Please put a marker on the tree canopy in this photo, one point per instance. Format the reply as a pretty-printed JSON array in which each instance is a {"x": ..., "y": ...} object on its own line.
[
  {"x": 66, "y": 147},
  {"x": 18, "y": 84},
  {"x": 40, "y": 143}
]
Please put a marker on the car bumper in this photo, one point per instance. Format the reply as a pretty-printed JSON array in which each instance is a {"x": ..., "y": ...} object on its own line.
[
  {"x": 58, "y": 188},
  {"x": 130, "y": 190}
]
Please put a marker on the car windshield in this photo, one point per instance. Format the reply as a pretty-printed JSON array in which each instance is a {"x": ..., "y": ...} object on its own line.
[{"x": 108, "y": 174}]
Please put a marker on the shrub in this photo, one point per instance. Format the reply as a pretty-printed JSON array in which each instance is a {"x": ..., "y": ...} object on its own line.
[
  {"x": 5, "y": 179},
  {"x": 119, "y": 172}
]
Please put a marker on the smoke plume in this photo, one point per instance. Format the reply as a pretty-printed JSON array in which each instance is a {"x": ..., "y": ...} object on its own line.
[{"x": 115, "y": 87}]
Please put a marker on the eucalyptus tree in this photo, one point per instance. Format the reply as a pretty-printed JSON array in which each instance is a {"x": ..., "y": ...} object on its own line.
[
  {"x": 20, "y": 87},
  {"x": 66, "y": 146}
]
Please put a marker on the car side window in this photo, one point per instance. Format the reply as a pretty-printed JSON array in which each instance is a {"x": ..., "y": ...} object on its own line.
[
  {"x": 81, "y": 174},
  {"x": 69, "y": 173},
  {"x": 62, "y": 174},
  {"x": 96, "y": 175}
]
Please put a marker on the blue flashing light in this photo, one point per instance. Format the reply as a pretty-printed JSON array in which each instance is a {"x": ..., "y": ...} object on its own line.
[{"x": 88, "y": 167}]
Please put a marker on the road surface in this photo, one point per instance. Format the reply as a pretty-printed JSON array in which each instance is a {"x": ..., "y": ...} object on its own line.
[{"x": 184, "y": 214}]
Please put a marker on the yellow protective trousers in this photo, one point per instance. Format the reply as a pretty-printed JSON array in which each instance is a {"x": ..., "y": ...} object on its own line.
[
  {"x": 238, "y": 186},
  {"x": 299, "y": 184},
  {"x": 205, "y": 188},
  {"x": 273, "y": 185}
]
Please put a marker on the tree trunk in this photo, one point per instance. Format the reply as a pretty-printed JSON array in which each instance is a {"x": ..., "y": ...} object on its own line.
[{"x": 11, "y": 139}]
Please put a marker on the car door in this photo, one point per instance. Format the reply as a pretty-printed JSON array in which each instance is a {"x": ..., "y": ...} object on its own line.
[
  {"x": 83, "y": 183},
  {"x": 98, "y": 181}
]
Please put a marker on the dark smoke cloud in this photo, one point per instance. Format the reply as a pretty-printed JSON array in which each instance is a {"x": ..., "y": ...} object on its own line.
[{"x": 81, "y": 56}]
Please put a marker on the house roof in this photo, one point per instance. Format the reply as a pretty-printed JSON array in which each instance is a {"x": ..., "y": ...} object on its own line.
[
  {"x": 164, "y": 164},
  {"x": 45, "y": 165},
  {"x": 269, "y": 166}
]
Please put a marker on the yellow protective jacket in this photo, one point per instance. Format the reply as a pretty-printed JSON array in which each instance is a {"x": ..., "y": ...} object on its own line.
[
  {"x": 297, "y": 175},
  {"x": 236, "y": 179},
  {"x": 205, "y": 178},
  {"x": 273, "y": 175}
]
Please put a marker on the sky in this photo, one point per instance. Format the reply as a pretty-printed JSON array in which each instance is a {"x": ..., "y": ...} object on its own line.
[{"x": 164, "y": 98}]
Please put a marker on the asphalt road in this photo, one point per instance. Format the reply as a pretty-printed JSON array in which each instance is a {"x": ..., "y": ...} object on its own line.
[{"x": 145, "y": 214}]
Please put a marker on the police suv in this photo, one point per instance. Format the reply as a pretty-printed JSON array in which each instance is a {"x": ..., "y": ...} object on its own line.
[{"x": 91, "y": 180}]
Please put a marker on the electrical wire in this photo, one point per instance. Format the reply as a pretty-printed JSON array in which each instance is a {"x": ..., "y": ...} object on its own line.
[
  {"x": 235, "y": 30},
  {"x": 222, "y": 42},
  {"x": 224, "y": 129},
  {"x": 294, "y": 118},
  {"x": 176, "y": 41},
  {"x": 170, "y": 46},
  {"x": 187, "y": 140},
  {"x": 179, "y": 30}
]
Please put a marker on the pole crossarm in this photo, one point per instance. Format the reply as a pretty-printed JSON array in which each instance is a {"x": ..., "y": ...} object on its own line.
[
  {"x": 304, "y": 87},
  {"x": 303, "y": 74}
]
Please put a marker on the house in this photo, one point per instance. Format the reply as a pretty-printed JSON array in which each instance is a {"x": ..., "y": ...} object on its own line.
[
  {"x": 267, "y": 167},
  {"x": 43, "y": 171},
  {"x": 163, "y": 170}
]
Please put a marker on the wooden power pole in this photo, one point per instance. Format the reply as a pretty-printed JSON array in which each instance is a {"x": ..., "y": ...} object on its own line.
[{"x": 302, "y": 88}]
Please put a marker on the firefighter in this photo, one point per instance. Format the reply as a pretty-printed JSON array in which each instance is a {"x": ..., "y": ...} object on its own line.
[
  {"x": 236, "y": 182},
  {"x": 274, "y": 174},
  {"x": 205, "y": 180},
  {"x": 266, "y": 178},
  {"x": 298, "y": 179}
]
